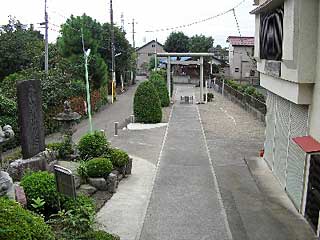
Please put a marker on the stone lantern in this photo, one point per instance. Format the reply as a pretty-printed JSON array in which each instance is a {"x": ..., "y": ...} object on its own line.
[{"x": 68, "y": 118}]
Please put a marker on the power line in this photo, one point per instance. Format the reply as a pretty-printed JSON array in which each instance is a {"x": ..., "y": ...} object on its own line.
[{"x": 196, "y": 22}]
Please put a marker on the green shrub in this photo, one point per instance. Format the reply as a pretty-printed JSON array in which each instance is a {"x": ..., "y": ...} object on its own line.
[
  {"x": 147, "y": 105},
  {"x": 92, "y": 145},
  {"x": 17, "y": 223},
  {"x": 98, "y": 167},
  {"x": 64, "y": 149},
  {"x": 160, "y": 85},
  {"x": 99, "y": 235},
  {"x": 249, "y": 90},
  {"x": 75, "y": 218},
  {"x": 41, "y": 185},
  {"x": 118, "y": 157}
]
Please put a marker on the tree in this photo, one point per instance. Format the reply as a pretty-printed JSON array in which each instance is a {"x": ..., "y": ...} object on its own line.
[
  {"x": 151, "y": 63},
  {"x": 200, "y": 43},
  {"x": 70, "y": 46},
  {"x": 177, "y": 42},
  {"x": 20, "y": 48}
]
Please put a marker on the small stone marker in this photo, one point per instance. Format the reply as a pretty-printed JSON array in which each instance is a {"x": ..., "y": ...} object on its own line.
[
  {"x": 30, "y": 117},
  {"x": 65, "y": 181}
]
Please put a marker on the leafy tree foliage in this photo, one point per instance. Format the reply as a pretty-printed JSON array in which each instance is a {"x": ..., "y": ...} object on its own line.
[
  {"x": 20, "y": 48},
  {"x": 200, "y": 43},
  {"x": 70, "y": 46},
  {"x": 125, "y": 59},
  {"x": 177, "y": 42}
]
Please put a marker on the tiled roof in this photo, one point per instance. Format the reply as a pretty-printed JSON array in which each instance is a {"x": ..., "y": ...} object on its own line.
[{"x": 241, "y": 41}]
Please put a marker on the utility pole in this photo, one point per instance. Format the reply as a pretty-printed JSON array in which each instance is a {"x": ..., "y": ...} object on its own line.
[
  {"x": 46, "y": 60},
  {"x": 133, "y": 32},
  {"x": 113, "y": 72},
  {"x": 122, "y": 22}
]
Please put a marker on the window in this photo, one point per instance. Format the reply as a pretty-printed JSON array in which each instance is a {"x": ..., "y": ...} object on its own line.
[
  {"x": 252, "y": 73},
  {"x": 153, "y": 45},
  {"x": 150, "y": 54},
  {"x": 236, "y": 70},
  {"x": 271, "y": 35}
]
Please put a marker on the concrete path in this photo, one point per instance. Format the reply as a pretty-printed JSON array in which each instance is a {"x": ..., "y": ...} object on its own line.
[
  {"x": 256, "y": 206},
  {"x": 198, "y": 179},
  {"x": 185, "y": 202},
  {"x": 123, "y": 213}
]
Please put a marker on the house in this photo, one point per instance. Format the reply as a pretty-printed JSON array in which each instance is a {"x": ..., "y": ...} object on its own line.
[
  {"x": 287, "y": 50},
  {"x": 242, "y": 63},
  {"x": 145, "y": 53}
]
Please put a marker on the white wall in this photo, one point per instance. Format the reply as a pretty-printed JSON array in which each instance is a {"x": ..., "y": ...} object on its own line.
[
  {"x": 315, "y": 107},
  {"x": 146, "y": 53},
  {"x": 238, "y": 54}
]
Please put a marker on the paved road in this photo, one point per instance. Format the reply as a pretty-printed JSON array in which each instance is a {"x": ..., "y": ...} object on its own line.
[
  {"x": 104, "y": 119},
  {"x": 185, "y": 202}
]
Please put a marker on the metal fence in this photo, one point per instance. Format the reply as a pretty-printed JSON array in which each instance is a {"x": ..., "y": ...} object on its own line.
[{"x": 245, "y": 100}]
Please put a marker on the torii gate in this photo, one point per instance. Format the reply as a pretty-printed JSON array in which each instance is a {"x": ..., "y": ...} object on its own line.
[{"x": 199, "y": 62}]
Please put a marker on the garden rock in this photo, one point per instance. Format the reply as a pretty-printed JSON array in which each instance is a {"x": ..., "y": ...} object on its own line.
[
  {"x": 37, "y": 163},
  {"x": 112, "y": 183},
  {"x": 87, "y": 190},
  {"x": 20, "y": 195},
  {"x": 99, "y": 183},
  {"x": 6, "y": 185}
]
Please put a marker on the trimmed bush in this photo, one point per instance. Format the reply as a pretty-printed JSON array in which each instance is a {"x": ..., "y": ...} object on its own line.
[
  {"x": 92, "y": 145},
  {"x": 160, "y": 85},
  {"x": 41, "y": 185},
  {"x": 147, "y": 105},
  {"x": 118, "y": 157},
  {"x": 98, "y": 167},
  {"x": 64, "y": 149},
  {"x": 17, "y": 223},
  {"x": 99, "y": 235}
]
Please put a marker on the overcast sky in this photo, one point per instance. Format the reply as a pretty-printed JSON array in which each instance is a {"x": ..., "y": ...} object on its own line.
[{"x": 148, "y": 14}]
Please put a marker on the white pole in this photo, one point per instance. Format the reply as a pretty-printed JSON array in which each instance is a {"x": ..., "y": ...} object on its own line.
[
  {"x": 201, "y": 79},
  {"x": 155, "y": 56},
  {"x": 169, "y": 76}
]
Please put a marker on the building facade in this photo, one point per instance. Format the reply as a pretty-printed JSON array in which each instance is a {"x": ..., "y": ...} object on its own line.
[
  {"x": 241, "y": 60},
  {"x": 287, "y": 50},
  {"x": 145, "y": 53}
]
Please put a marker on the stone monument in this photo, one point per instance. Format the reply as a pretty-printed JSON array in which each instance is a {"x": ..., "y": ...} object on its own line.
[{"x": 30, "y": 117}]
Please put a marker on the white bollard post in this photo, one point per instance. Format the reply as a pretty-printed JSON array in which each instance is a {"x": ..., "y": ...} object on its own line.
[
  {"x": 132, "y": 118},
  {"x": 223, "y": 87}
]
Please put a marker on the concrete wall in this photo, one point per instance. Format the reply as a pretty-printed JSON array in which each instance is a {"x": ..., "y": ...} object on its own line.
[
  {"x": 315, "y": 107},
  {"x": 146, "y": 53},
  {"x": 238, "y": 58}
]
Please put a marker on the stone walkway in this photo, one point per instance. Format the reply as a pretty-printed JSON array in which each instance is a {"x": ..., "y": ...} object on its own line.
[{"x": 185, "y": 202}]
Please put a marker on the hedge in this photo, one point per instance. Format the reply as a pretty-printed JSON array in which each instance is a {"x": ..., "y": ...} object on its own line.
[
  {"x": 159, "y": 83},
  {"x": 146, "y": 104},
  {"x": 17, "y": 223}
]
